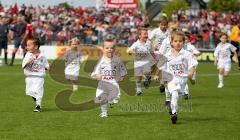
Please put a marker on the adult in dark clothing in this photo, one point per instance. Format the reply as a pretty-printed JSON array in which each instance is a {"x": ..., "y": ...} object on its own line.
[
  {"x": 19, "y": 31},
  {"x": 3, "y": 37}
]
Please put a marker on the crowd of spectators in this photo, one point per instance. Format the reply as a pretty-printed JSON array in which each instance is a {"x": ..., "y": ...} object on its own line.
[
  {"x": 56, "y": 25},
  {"x": 205, "y": 26}
]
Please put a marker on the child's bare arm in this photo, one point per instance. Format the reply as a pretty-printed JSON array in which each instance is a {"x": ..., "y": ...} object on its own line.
[{"x": 191, "y": 72}]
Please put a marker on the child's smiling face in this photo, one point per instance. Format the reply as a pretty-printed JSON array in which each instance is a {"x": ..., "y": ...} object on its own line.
[
  {"x": 143, "y": 35},
  {"x": 108, "y": 49},
  {"x": 223, "y": 38},
  {"x": 177, "y": 42}
]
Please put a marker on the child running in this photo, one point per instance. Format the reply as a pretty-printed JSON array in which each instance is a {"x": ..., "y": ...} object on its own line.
[
  {"x": 109, "y": 71},
  {"x": 143, "y": 59},
  {"x": 181, "y": 64},
  {"x": 222, "y": 56},
  {"x": 35, "y": 64},
  {"x": 72, "y": 63}
]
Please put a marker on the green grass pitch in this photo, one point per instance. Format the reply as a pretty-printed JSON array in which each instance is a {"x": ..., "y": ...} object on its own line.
[{"x": 211, "y": 113}]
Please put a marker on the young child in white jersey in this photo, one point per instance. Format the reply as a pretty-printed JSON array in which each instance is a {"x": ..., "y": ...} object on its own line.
[
  {"x": 143, "y": 59},
  {"x": 35, "y": 64},
  {"x": 72, "y": 59},
  {"x": 160, "y": 33},
  {"x": 166, "y": 47},
  {"x": 192, "y": 49},
  {"x": 157, "y": 36},
  {"x": 166, "y": 44},
  {"x": 109, "y": 71},
  {"x": 181, "y": 64},
  {"x": 222, "y": 56}
]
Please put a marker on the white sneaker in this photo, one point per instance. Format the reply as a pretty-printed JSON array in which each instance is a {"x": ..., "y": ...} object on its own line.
[
  {"x": 220, "y": 85},
  {"x": 116, "y": 100},
  {"x": 103, "y": 115}
]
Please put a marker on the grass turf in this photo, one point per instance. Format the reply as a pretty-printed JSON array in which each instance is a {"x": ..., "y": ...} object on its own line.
[{"x": 211, "y": 113}]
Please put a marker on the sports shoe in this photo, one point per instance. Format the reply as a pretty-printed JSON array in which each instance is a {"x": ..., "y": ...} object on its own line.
[
  {"x": 138, "y": 93},
  {"x": 147, "y": 82},
  {"x": 37, "y": 109},
  {"x": 111, "y": 105},
  {"x": 162, "y": 88},
  {"x": 34, "y": 99},
  {"x": 186, "y": 96},
  {"x": 116, "y": 100},
  {"x": 174, "y": 118},
  {"x": 167, "y": 103},
  {"x": 220, "y": 85},
  {"x": 103, "y": 115}
]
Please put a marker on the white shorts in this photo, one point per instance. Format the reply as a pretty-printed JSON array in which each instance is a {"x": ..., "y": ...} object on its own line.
[
  {"x": 71, "y": 73},
  {"x": 34, "y": 87},
  {"x": 107, "y": 92},
  {"x": 226, "y": 65},
  {"x": 142, "y": 70},
  {"x": 71, "y": 77},
  {"x": 177, "y": 85}
]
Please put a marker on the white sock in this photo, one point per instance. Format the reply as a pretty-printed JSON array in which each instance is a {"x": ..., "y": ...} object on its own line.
[
  {"x": 186, "y": 90},
  {"x": 138, "y": 86},
  {"x": 168, "y": 95},
  {"x": 75, "y": 87},
  {"x": 104, "y": 108},
  {"x": 220, "y": 77},
  {"x": 38, "y": 101},
  {"x": 174, "y": 102}
]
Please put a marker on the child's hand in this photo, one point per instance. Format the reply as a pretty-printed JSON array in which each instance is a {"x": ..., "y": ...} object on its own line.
[
  {"x": 30, "y": 62},
  {"x": 190, "y": 75},
  {"x": 98, "y": 76},
  {"x": 129, "y": 52},
  {"x": 235, "y": 59}
]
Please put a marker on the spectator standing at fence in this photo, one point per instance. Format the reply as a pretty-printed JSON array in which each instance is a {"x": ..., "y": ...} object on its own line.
[
  {"x": 19, "y": 30},
  {"x": 3, "y": 37},
  {"x": 234, "y": 39}
]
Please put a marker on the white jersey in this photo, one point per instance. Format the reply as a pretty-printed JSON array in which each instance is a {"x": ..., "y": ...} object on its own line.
[
  {"x": 110, "y": 70},
  {"x": 142, "y": 53},
  {"x": 39, "y": 66},
  {"x": 223, "y": 52},
  {"x": 72, "y": 60},
  {"x": 166, "y": 46},
  {"x": 158, "y": 35},
  {"x": 180, "y": 65},
  {"x": 191, "y": 48}
]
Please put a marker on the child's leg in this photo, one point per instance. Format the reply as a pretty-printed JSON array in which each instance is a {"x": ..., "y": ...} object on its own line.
[
  {"x": 39, "y": 102},
  {"x": 75, "y": 86},
  {"x": 168, "y": 95},
  {"x": 221, "y": 77},
  {"x": 174, "y": 102},
  {"x": 138, "y": 84},
  {"x": 38, "y": 89},
  {"x": 147, "y": 73},
  {"x": 227, "y": 69},
  {"x": 186, "y": 91},
  {"x": 104, "y": 108},
  {"x": 100, "y": 95}
]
